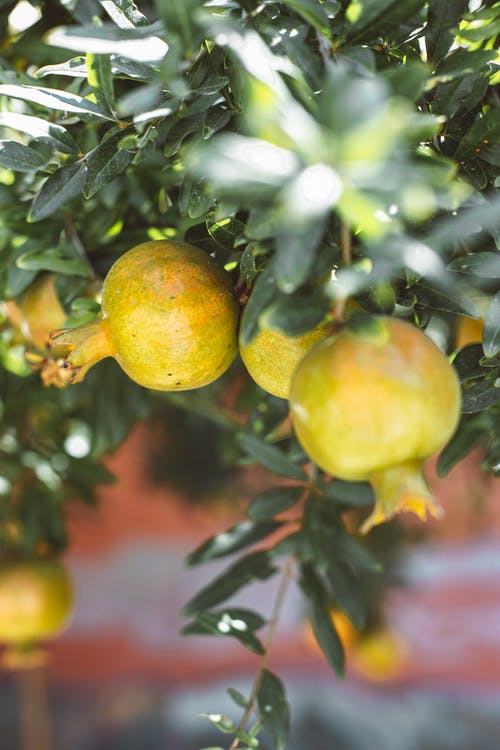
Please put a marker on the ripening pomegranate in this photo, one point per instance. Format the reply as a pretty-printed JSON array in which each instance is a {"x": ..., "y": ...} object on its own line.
[
  {"x": 372, "y": 403},
  {"x": 168, "y": 317}
]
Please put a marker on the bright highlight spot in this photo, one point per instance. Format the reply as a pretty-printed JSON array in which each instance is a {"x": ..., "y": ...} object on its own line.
[{"x": 23, "y": 16}]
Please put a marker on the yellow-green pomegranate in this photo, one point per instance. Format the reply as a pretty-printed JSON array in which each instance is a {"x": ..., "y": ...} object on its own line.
[
  {"x": 168, "y": 317},
  {"x": 372, "y": 403},
  {"x": 272, "y": 356},
  {"x": 36, "y": 600}
]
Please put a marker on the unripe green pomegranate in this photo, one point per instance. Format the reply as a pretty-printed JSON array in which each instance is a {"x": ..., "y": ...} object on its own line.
[
  {"x": 168, "y": 317},
  {"x": 372, "y": 403}
]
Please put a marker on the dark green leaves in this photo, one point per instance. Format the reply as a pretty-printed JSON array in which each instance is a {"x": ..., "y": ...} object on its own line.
[
  {"x": 367, "y": 17},
  {"x": 321, "y": 619},
  {"x": 274, "y": 501},
  {"x": 16, "y": 156},
  {"x": 64, "y": 101},
  {"x": 40, "y": 130},
  {"x": 235, "y": 622},
  {"x": 64, "y": 185},
  {"x": 237, "y": 537},
  {"x": 442, "y": 18},
  {"x": 255, "y": 566},
  {"x": 273, "y": 709},
  {"x": 271, "y": 457},
  {"x": 313, "y": 12}
]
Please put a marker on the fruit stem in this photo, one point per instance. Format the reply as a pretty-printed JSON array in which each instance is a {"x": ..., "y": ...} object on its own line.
[
  {"x": 398, "y": 489},
  {"x": 88, "y": 344}
]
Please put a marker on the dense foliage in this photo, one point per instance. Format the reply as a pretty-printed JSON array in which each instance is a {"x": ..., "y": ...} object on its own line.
[{"x": 321, "y": 150}]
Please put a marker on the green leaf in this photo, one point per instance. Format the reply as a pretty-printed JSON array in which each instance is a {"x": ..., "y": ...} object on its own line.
[
  {"x": 73, "y": 68},
  {"x": 491, "y": 332},
  {"x": 467, "y": 223},
  {"x": 52, "y": 260},
  {"x": 442, "y": 17},
  {"x": 367, "y": 17},
  {"x": 312, "y": 12},
  {"x": 274, "y": 501},
  {"x": 273, "y": 709},
  {"x": 470, "y": 431},
  {"x": 242, "y": 167},
  {"x": 60, "y": 188},
  {"x": 41, "y": 130},
  {"x": 460, "y": 95},
  {"x": 139, "y": 44},
  {"x": 254, "y": 566},
  {"x": 321, "y": 619},
  {"x": 348, "y": 494},
  {"x": 297, "y": 242},
  {"x": 263, "y": 292},
  {"x": 479, "y": 395},
  {"x": 106, "y": 162},
  {"x": 222, "y": 722},
  {"x": 337, "y": 560},
  {"x": 100, "y": 77},
  {"x": 484, "y": 131},
  {"x": 295, "y": 314},
  {"x": 484, "y": 265},
  {"x": 462, "y": 62},
  {"x": 237, "y": 537},
  {"x": 271, "y": 457},
  {"x": 53, "y": 99},
  {"x": 236, "y": 623},
  {"x": 124, "y": 13},
  {"x": 20, "y": 158},
  {"x": 450, "y": 300},
  {"x": 467, "y": 363},
  {"x": 237, "y": 697}
]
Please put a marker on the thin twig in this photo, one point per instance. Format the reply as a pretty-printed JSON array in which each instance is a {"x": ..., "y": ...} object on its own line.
[
  {"x": 346, "y": 250},
  {"x": 35, "y": 720},
  {"x": 285, "y": 580}
]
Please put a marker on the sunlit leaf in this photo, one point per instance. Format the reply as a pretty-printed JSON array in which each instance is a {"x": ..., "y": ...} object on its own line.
[
  {"x": 64, "y": 101},
  {"x": 41, "y": 130}
]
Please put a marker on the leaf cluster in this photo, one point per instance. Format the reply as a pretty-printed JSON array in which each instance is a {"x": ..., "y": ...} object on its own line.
[{"x": 322, "y": 151}]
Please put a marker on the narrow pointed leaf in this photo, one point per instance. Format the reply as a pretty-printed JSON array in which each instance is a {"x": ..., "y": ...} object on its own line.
[
  {"x": 491, "y": 332},
  {"x": 63, "y": 101},
  {"x": 321, "y": 620},
  {"x": 20, "y": 158},
  {"x": 273, "y": 501},
  {"x": 58, "y": 190},
  {"x": 255, "y": 566},
  {"x": 237, "y": 537},
  {"x": 42, "y": 130},
  {"x": 100, "y": 77},
  {"x": 273, "y": 709},
  {"x": 271, "y": 457}
]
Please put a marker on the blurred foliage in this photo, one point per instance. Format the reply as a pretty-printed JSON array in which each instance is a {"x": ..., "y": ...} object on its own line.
[{"x": 319, "y": 149}]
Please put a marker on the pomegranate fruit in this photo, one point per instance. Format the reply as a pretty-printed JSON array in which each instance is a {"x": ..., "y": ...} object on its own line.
[
  {"x": 272, "y": 356},
  {"x": 372, "y": 403},
  {"x": 168, "y": 317},
  {"x": 39, "y": 311},
  {"x": 36, "y": 600}
]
